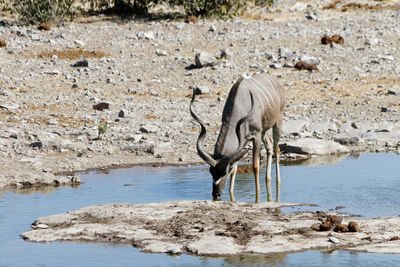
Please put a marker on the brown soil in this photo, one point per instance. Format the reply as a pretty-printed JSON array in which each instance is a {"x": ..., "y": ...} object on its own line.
[{"x": 72, "y": 54}]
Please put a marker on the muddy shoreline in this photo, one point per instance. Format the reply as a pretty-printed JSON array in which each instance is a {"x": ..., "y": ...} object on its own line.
[{"x": 200, "y": 227}]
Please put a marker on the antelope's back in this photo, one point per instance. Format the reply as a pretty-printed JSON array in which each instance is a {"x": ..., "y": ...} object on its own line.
[{"x": 268, "y": 94}]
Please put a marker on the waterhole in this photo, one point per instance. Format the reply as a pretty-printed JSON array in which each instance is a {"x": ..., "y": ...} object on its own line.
[{"x": 367, "y": 185}]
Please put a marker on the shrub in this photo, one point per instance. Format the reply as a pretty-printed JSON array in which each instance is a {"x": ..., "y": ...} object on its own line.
[
  {"x": 37, "y": 11},
  {"x": 134, "y": 6},
  {"x": 220, "y": 8}
]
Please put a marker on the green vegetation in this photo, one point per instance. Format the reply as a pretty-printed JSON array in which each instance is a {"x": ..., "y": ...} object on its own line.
[
  {"x": 102, "y": 128},
  {"x": 56, "y": 11},
  {"x": 37, "y": 11}
]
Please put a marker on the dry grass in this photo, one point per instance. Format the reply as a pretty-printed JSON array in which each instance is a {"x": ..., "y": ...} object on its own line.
[
  {"x": 344, "y": 7},
  {"x": 151, "y": 117},
  {"x": 72, "y": 54}
]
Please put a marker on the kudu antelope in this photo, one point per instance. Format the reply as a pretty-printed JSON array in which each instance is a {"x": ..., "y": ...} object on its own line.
[{"x": 254, "y": 105}]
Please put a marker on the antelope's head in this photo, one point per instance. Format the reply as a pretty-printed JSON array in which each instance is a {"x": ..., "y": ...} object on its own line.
[{"x": 221, "y": 167}]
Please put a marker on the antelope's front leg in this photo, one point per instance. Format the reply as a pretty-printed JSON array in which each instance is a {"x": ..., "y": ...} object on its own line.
[
  {"x": 232, "y": 183},
  {"x": 256, "y": 165}
]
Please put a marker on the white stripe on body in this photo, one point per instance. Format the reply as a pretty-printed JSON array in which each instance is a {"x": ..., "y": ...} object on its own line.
[
  {"x": 275, "y": 90},
  {"x": 258, "y": 89},
  {"x": 266, "y": 89}
]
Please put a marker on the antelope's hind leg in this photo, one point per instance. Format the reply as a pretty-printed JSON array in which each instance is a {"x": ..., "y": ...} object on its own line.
[
  {"x": 268, "y": 146},
  {"x": 276, "y": 131}
]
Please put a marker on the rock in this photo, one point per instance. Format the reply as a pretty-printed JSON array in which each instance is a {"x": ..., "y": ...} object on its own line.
[
  {"x": 310, "y": 60},
  {"x": 44, "y": 27},
  {"x": 204, "y": 60},
  {"x": 275, "y": 66},
  {"x": 150, "y": 35},
  {"x": 325, "y": 226},
  {"x": 298, "y": 7},
  {"x": 341, "y": 228},
  {"x": 295, "y": 127},
  {"x": 79, "y": 43},
  {"x": 334, "y": 219},
  {"x": 372, "y": 41},
  {"x": 138, "y": 148},
  {"x": 160, "y": 52},
  {"x": 121, "y": 114},
  {"x": 9, "y": 106},
  {"x": 334, "y": 240},
  {"x": 286, "y": 53},
  {"x": 3, "y": 43},
  {"x": 353, "y": 227},
  {"x": 337, "y": 39},
  {"x": 345, "y": 139},
  {"x": 38, "y": 144},
  {"x": 81, "y": 63},
  {"x": 201, "y": 90},
  {"x": 225, "y": 54},
  {"x": 301, "y": 65},
  {"x": 312, "y": 146},
  {"x": 160, "y": 148},
  {"x": 191, "y": 19},
  {"x": 393, "y": 92},
  {"x": 149, "y": 128},
  {"x": 322, "y": 127},
  {"x": 101, "y": 106}
]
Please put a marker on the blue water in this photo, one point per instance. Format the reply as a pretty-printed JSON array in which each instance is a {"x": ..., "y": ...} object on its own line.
[{"x": 367, "y": 186}]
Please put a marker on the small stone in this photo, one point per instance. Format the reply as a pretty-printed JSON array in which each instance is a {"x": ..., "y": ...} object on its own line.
[
  {"x": 191, "y": 19},
  {"x": 301, "y": 65},
  {"x": 101, "y": 106},
  {"x": 149, "y": 35},
  {"x": 52, "y": 121},
  {"x": 204, "y": 60},
  {"x": 384, "y": 109},
  {"x": 44, "y": 27},
  {"x": 341, "y": 228},
  {"x": 334, "y": 219},
  {"x": 38, "y": 144},
  {"x": 148, "y": 128},
  {"x": 3, "y": 43},
  {"x": 332, "y": 39},
  {"x": 161, "y": 52},
  {"x": 121, "y": 114},
  {"x": 201, "y": 90},
  {"x": 325, "y": 226},
  {"x": 40, "y": 226},
  {"x": 80, "y": 43},
  {"x": 81, "y": 63},
  {"x": 353, "y": 227},
  {"x": 393, "y": 92},
  {"x": 275, "y": 66},
  {"x": 334, "y": 240},
  {"x": 225, "y": 53}
]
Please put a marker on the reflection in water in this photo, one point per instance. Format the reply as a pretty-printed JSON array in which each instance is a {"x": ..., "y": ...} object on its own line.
[
  {"x": 29, "y": 190},
  {"x": 251, "y": 260},
  {"x": 320, "y": 160}
]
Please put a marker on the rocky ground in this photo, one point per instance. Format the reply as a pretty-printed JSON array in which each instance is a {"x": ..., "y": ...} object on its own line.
[
  {"x": 201, "y": 227},
  {"x": 141, "y": 71}
]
